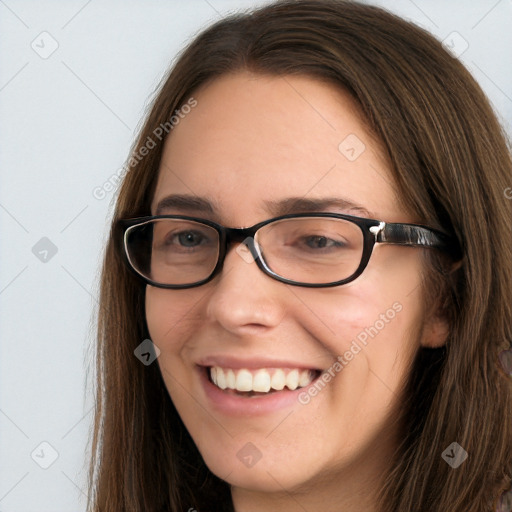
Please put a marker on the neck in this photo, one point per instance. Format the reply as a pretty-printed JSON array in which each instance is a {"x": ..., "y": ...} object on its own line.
[{"x": 327, "y": 498}]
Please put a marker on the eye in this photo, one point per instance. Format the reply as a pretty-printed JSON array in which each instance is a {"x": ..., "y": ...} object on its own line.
[
  {"x": 322, "y": 242},
  {"x": 188, "y": 238}
]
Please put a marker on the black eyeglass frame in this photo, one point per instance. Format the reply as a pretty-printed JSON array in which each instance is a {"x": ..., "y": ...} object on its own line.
[{"x": 374, "y": 231}]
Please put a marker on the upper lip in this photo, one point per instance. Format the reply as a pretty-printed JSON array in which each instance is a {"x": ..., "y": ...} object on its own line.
[{"x": 229, "y": 361}]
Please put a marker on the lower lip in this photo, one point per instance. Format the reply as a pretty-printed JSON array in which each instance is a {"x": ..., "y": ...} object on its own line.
[{"x": 238, "y": 405}]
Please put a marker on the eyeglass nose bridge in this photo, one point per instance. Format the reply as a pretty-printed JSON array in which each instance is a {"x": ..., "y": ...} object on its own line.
[{"x": 243, "y": 236}]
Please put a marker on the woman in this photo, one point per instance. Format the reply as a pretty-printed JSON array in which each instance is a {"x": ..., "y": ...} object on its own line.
[{"x": 341, "y": 352}]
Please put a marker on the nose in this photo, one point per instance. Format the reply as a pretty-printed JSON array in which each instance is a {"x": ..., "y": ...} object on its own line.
[{"x": 244, "y": 299}]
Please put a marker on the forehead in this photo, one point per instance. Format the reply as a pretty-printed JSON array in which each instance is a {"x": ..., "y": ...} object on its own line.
[{"x": 256, "y": 139}]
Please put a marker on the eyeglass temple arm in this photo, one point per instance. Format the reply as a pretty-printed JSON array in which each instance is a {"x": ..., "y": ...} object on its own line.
[{"x": 411, "y": 234}]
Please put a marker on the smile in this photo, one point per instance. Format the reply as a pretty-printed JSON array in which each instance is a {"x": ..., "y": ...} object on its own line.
[{"x": 262, "y": 380}]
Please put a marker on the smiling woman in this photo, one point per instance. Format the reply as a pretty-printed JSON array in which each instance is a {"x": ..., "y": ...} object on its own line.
[{"x": 320, "y": 254}]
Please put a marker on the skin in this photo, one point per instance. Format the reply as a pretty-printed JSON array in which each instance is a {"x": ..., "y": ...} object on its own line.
[{"x": 253, "y": 138}]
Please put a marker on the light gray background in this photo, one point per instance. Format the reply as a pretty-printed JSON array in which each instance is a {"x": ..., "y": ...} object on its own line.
[{"x": 66, "y": 125}]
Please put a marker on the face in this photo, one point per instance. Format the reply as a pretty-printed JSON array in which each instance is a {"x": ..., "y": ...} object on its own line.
[{"x": 252, "y": 141}]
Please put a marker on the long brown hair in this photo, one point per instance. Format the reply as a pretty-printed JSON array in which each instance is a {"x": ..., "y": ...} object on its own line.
[{"x": 452, "y": 165}]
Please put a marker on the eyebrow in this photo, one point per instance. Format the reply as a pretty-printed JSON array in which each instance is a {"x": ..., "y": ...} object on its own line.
[
  {"x": 185, "y": 202},
  {"x": 306, "y": 205},
  {"x": 276, "y": 208}
]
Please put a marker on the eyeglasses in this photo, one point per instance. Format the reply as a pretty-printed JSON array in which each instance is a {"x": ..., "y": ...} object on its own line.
[{"x": 308, "y": 249}]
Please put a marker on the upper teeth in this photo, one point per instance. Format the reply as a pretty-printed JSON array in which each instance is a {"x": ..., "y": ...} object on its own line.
[{"x": 262, "y": 380}]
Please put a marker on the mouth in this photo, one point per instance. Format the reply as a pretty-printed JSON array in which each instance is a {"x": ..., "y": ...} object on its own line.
[{"x": 259, "y": 382}]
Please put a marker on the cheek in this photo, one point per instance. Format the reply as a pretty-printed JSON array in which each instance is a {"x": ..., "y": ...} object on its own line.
[
  {"x": 359, "y": 316},
  {"x": 170, "y": 315},
  {"x": 172, "y": 319},
  {"x": 373, "y": 323}
]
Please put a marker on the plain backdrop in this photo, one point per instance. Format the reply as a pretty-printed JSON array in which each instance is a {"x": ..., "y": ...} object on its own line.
[{"x": 75, "y": 79}]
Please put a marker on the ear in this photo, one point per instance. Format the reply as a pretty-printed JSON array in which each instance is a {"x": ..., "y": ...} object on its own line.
[{"x": 435, "y": 332}]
